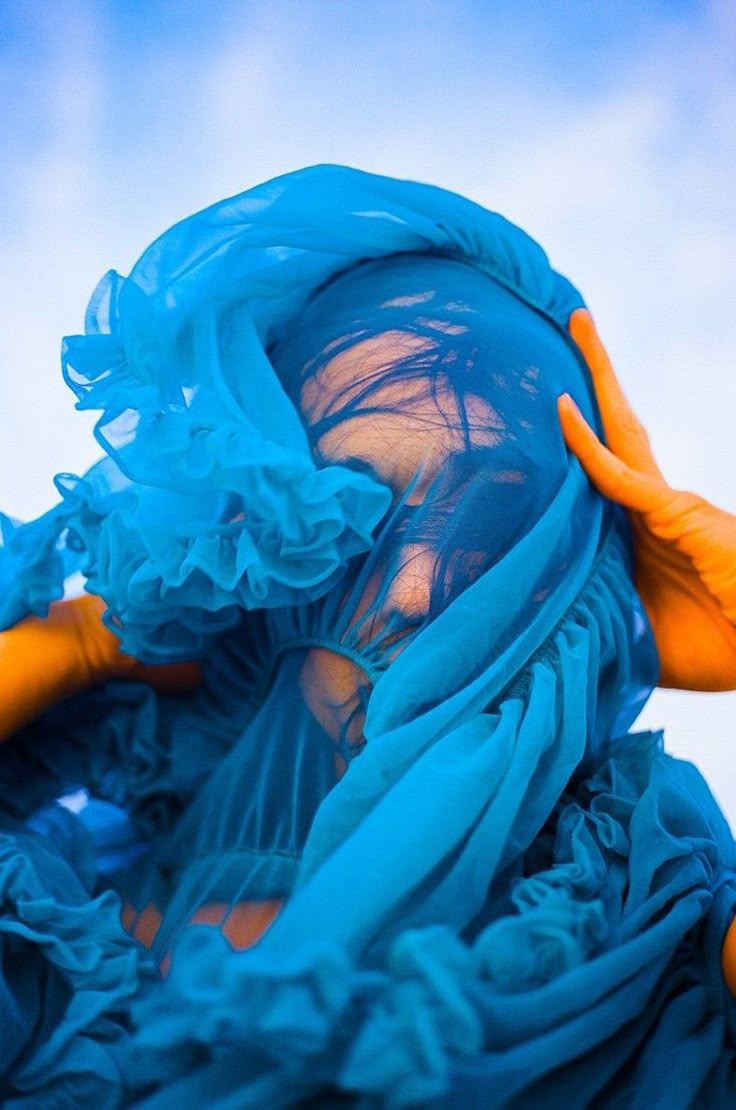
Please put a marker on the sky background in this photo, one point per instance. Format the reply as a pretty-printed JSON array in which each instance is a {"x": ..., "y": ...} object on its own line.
[{"x": 607, "y": 130}]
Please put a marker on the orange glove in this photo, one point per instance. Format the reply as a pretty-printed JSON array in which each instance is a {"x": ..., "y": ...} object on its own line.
[
  {"x": 44, "y": 660},
  {"x": 684, "y": 547}
]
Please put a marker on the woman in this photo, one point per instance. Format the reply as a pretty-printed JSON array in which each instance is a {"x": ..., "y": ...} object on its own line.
[{"x": 335, "y": 476}]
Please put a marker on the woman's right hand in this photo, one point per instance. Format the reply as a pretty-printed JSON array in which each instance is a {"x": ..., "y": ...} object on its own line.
[{"x": 684, "y": 547}]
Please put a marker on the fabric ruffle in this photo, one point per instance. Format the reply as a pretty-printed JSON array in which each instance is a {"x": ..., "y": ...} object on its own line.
[
  {"x": 33, "y": 565},
  {"x": 175, "y": 574},
  {"x": 603, "y": 961},
  {"x": 145, "y": 752},
  {"x": 172, "y": 570},
  {"x": 209, "y": 500},
  {"x": 496, "y": 904},
  {"x": 525, "y": 939},
  {"x": 68, "y": 974}
]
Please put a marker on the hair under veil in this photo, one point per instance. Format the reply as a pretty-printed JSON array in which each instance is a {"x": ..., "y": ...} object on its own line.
[{"x": 334, "y": 470}]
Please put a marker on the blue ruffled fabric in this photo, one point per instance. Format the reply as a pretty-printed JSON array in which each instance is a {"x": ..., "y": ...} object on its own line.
[
  {"x": 246, "y": 519},
  {"x": 495, "y": 894},
  {"x": 604, "y": 958},
  {"x": 69, "y": 973}
]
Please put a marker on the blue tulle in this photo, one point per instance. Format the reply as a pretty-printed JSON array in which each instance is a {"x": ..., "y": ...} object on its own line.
[{"x": 413, "y": 727}]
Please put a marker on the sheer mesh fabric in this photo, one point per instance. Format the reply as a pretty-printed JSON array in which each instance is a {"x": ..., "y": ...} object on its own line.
[
  {"x": 408, "y": 769},
  {"x": 421, "y": 378},
  {"x": 405, "y": 368}
]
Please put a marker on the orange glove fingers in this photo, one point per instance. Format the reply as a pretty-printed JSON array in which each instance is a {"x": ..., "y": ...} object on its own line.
[
  {"x": 684, "y": 547},
  {"x": 686, "y": 521},
  {"x": 611, "y": 475},
  {"x": 625, "y": 433}
]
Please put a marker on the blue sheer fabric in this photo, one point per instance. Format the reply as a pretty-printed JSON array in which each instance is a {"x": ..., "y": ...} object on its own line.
[{"x": 333, "y": 470}]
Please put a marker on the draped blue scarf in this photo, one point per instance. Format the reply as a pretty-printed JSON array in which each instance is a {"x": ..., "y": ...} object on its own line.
[{"x": 508, "y": 899}]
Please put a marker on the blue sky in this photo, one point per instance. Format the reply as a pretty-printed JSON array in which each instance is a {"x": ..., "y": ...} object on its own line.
[{"x": 607, "y": 130}]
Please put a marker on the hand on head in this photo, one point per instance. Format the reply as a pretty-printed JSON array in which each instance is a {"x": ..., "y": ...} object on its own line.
[{"x": 684, "y": 547}]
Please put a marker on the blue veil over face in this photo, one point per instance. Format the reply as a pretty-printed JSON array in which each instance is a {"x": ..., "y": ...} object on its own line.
[{"x": 329, "y": 418}]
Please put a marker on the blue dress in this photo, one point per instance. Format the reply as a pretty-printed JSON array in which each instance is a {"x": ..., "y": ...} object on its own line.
[{"x": 400, "y": 847}]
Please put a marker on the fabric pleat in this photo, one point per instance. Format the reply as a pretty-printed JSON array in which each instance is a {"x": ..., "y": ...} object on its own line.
[{"x": 400, "y": 848}]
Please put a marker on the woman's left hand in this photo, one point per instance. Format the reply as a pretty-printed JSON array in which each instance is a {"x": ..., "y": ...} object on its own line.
[{"x": 684, "y": 547}]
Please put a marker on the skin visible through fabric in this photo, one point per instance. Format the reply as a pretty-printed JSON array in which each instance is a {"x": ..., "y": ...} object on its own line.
[
  {"x": 403, "y": 369},
  {"x": 411, "y": 739},
  {"x": 406, "y": 433},
  {"x": 421, "y": 407}
]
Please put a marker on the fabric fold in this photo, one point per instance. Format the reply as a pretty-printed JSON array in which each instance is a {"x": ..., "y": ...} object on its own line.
[
  {"x": 333, "y": 471},
  {"x": 499, "y": 1019},
  {"x": 71, "y": 972}
]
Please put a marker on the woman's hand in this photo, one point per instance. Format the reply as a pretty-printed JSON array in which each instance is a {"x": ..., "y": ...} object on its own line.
[
  {"x": 46, "y": 659},
  {"x": 684, "y": 547},
  {"x": 106, "y": 662}
]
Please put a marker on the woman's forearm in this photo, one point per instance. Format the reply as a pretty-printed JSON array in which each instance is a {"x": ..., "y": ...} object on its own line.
[{"x": 43, "y": 661}]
